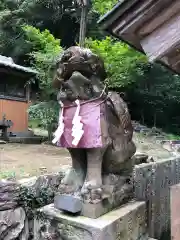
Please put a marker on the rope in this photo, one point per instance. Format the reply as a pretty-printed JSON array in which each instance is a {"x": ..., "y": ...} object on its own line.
[{"x": 88, "y": 101}]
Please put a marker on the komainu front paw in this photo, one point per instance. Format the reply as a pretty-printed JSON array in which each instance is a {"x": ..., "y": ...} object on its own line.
[
  {"x": 92, "y": 192},
  {"x": 71, "y": 183}
]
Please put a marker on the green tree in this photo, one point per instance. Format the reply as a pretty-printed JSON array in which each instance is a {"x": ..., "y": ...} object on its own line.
[
  {"x": 153, "y": 91},
  {"x": 103, "y": 6},
  {"x": 155, "y": 97},
  {"x": 58, "y": 16},
  {"x": 123, "y": 64},
  {"x": 45, "y": 51}
]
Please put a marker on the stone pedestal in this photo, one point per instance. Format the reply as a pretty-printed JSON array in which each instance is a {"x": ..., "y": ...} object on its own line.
[
  {"x": 125, "y": 223},
  {"x": 117, "y": 189},
  {"x": 175, "y": 214}
]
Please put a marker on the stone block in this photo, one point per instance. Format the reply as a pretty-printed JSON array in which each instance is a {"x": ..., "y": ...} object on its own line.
[
  {"x": 126, "y": 222},
  {"x": 175, "y": 214},
  {"x": 152, "y": 184},
  {"x": 68, "y": 203},
  {"x": 113, "y": 200}
]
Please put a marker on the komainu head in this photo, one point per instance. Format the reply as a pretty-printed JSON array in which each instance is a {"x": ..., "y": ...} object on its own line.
[{"x": 79, "y": 59}]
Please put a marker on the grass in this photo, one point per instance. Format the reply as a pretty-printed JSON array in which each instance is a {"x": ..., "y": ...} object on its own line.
[
  {"x": 11, "y": 174},
  {"x": 7, "y": 175},
  {"x": 173, "y": 137}
]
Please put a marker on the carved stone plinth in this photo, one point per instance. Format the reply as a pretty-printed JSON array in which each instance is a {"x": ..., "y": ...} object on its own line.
[
  {"x": 127, "y": 222},
  {"x": 117, "y": 191}
]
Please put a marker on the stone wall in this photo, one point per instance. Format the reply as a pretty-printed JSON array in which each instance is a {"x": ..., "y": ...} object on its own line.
[
  {"x": 175, "y": 214},
  {"x": 13, "y": 220},
  {"x": 152, "y": 184},
  {"x": 16, "y": 199}
]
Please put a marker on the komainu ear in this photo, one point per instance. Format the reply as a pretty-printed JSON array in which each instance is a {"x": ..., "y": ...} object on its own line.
[{"x": 58, "y": 76}]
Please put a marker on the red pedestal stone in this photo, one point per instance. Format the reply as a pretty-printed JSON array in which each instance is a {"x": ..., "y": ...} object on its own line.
[{"x": 175, "y": 212}]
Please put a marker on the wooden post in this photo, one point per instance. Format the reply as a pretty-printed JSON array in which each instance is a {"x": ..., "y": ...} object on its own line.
[
  {"x": 83, "y": 4},
  {"x": 83, "y": 23},
  {"x": 28, "y": 91}
]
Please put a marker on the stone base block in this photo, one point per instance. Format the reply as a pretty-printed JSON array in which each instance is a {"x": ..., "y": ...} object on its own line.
[
  {"x": 117, "y": 194},
  {"x": 175, "y": 214},
  {"x": 118, "y": 190},
  {"x": 106, "y": 205},
  {"x": 125, "y": 223}
]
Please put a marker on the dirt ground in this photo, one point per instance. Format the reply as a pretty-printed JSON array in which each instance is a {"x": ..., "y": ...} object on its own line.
[{"x": 20, "y": 160}]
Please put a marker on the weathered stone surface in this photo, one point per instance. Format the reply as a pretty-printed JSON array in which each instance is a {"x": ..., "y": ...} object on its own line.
[
  {"x": 47, "y": 181},
  {"x": 175, "y": 214},
  {"x": 9, "y": 192},
  {"x": 28, "y": 182},
  {"x": 152, "y": 184},
  {"x": 51, "y": 181},
  {"x": 139, "y": 158},
  {"x": 127, "y": 222},
  {"x": 117, "y": 191},
  {"x": 13, "y": 225},
  {"x": 172, "y": 146}
]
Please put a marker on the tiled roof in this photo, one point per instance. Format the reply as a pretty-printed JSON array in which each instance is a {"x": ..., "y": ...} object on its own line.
[{"x": 8, "y": 62}]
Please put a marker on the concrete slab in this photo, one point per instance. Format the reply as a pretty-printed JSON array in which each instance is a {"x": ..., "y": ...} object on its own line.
[{"x": 126, "y": 222}]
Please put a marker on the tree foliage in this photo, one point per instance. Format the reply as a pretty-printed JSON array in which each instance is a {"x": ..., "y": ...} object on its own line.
[
  {"x": 45, "y": 51},
  {"x": 122, "y": 63},
  {"x": 59, "y": 16},
  {"x": 155, "y": 98},
  {"x": 103, "y": 6},
  {"x": 153, "y": 91}
]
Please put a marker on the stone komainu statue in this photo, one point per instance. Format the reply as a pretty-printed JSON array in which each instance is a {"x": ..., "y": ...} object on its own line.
[{"x": 94, "y": 124}]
